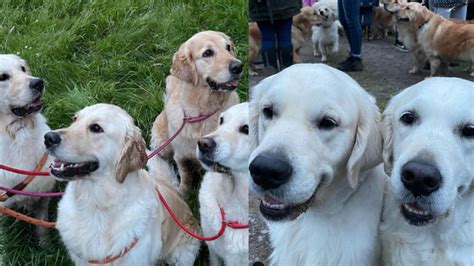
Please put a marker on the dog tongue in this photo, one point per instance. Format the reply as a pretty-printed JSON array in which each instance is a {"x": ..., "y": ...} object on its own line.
[
  {"x": 271, "y": 200},
  {"x": 234, "y": 82}
]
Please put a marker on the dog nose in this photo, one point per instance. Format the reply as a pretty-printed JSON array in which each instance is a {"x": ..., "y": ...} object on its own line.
[
  {"x": 51, "y": 139},
  {"x": 37, "y": 85},
  {"x": 235, "y": 67},
  {"x": 206, "y": 145},
  {"x": 420, "y": 178},
  {"x": 270, "y": 170}
]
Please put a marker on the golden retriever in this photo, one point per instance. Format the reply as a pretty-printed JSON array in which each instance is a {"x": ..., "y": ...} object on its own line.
[
  {"x": 441, "y": 39},
  {"x": 21, "y": 133},
  {"x": 204, "y": 76},
  {"x": 382, "y": 23},
  {"x": 110, "y": 200}
]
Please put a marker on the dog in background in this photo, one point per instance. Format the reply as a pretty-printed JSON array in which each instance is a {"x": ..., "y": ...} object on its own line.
[
  {"x": 254, "y": 47},
  {"x": 382, "y": 23},
  {"x": 224, "y": 154},
  {"x": 110, "y": 202},
  {"x": 21, "y": 134},
  {"x": 204, "y": 76},
  {"x": 428, "y": 147},
  {"x": 325, "y": 35},
  {"x": 301, "y": 30}
]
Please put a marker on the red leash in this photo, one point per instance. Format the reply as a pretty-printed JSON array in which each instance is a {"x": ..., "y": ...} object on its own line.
[{"x": 22, "y": 172}]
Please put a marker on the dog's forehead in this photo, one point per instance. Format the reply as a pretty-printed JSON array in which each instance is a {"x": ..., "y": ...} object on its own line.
[
  {"x": 9, "y": 61},
  {"x": 238, "y": 113},
  {"x": 104, "y": 112},
  {"x": 209, "y": 38}
]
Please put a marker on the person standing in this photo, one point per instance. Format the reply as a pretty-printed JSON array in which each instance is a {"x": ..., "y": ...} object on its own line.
[
  {"x": 274, "y": 19},
  {"x": 449, "y": 9},
  {"x": 349, "y": 16}
]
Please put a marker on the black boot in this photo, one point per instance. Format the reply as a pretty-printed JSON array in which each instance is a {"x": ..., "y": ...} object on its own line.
[
  {"x": 351, "y": 64},
  {"x": 286, "y": 57},
  {"x": 269, "y": 57}
]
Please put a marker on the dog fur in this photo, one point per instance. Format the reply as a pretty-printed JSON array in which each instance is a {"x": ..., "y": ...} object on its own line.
[
  {"x": 188, "y": 93},
  {"x": 325, "y": 35},
  {"x": 337, "y": 181},
  {"x": 301, "y": 30},
  {"x": 441, "y": 108},
  {"x": 102, "y": 211},
  {"x": 225, "y": 185},
  {"x": 21, "y": 137}
]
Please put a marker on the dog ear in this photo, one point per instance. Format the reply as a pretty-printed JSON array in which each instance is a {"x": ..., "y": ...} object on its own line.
[
  {"x": 367, "y": 149},
  {"x": 183, "y": 66},
  {"x": 387, "y": 135},
  {"x": 256, "y": 94},
  {"x": 133, "y": 155}
]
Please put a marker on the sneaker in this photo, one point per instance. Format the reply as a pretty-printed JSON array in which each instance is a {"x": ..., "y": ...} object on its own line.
[
  {"x": 400, "y": 46},
  {"x": 351, "y": 64}
]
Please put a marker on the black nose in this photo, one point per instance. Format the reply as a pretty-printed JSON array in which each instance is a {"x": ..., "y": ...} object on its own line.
[
  {"x": 235, "y": 67},
  {"x": 37, "y": 85},
  {"x": 420, "y": 178},
  {"x": 270, "y": 170},
  {"x": 206, "y": 145},
  {"x": 51, "y": 139}
]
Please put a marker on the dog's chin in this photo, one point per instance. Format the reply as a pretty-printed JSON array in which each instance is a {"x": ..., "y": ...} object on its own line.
[
  {"x": 226, "y": 86},
  {"x": 275, "y": 210},
  {"x": 418, "y": 215},
  {"x": 72, "y": 171},
  {"x": 31, "y": 108},
  {"x": 212, "y": 165}
]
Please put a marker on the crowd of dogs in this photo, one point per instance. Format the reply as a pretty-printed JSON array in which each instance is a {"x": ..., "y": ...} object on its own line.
[
  {"x": 110, "y": 208},
  {"x": 434, "y": 41}
]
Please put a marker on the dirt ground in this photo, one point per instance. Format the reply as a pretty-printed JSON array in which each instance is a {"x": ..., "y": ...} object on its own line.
[{"x": 385, "y": 73}]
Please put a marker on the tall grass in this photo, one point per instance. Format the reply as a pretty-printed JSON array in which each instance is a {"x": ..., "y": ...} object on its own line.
[{"x": 111, "y": 51}]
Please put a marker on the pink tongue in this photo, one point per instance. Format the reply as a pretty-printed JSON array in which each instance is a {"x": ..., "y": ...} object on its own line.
[
  {"x": 271, "y": 200},
  {"x": 234, "y": 82},
  {"x": 56, "y": 163}
]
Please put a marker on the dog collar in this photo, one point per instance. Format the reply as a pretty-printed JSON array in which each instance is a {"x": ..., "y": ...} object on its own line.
[
  {"x": 110, "y": 259},
  {"x": 423, "y": 24}
]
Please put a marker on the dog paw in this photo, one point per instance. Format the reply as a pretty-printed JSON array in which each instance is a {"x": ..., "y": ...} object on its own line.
[
  {"x": 414, "y": 70},
  {"x": 324, "y": 59},
  {"x": 253, "y": 73},
  {"x": 472, "y": 74}
]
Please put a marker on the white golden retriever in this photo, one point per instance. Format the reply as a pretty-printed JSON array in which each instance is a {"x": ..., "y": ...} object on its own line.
[
  {"x": 318, "y": 144},
  {"x": 224, "y": 154},
  {"x": 21, "y": 132},
  {"x": 325, "y": 36},
  {"x": 429, "y": 148},
  {"x": 111, "y": 200}
]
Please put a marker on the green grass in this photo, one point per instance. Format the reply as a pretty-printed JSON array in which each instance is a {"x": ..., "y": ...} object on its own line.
[{"x": 111, "y": 51}]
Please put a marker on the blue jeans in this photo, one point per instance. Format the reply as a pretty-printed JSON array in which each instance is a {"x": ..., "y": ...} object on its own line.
[
  {"x": 280, "y": 30},
  {"x": 349, "y": 15}
]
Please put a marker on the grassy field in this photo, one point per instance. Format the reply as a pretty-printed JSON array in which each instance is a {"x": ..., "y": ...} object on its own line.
[{"x": 111, "y": 51}]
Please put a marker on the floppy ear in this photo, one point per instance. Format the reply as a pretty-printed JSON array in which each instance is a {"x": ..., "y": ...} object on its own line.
[
  {"x": 367, "y": 149},
  {"x": 256, "y": 93},
  {"x": 183, "y": 66},
  {"x": 387, "y": 134},
  {"x": 133, "y": 155}
]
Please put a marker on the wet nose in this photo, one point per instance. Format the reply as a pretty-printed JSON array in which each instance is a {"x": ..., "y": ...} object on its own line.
[
  {"x": 37, "y": 85},
  {"x": 420, "y": 178},
  {"x": 51, "y": 139},
  {"x": 270, "y": 170},
  {"x": 235, "y": 67},
  {"x": 206, "y": 145}
]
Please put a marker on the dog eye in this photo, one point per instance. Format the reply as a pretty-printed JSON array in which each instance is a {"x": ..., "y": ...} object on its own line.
[
  {"x": 74, "y": 118},
  {"x": 468, "y": 131},
  {"x": 408, "y": 118},
  {"x": 221, "y": 121},
  {"x": 327, "y": 123},
  {"x": 95, "y": 128},
  {"x": 208, "y": 53},
  {"x": 244, "y": 129},
  {"x": 4, "y": 77},
  {"x": 23, "y": 68},
  {"x": 268, "y": 112},
  {"x": 228, "y": 47}
]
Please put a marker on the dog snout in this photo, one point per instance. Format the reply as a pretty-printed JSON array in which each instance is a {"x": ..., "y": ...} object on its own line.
[
  {"x": 206, "y": 145},
  {"x": 37, "y": 85},
  {"x": 51, "y": 139},
  {"x": 270, "y": 170},
  {"x": 235, "y": 67},
  {"x": 420, "y": 178}
]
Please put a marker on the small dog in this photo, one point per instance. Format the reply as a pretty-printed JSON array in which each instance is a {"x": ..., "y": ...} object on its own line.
[
  {"x": 325, "y": 34},
  {"x": 110, "y": 202},
  {"x": 224, "y": 154},
  {"x": 21, "y": 134},
  {"x": 204, "y": 76},
  {"x": 428, "y": 148},
  {"x": 301, "y": 30}
]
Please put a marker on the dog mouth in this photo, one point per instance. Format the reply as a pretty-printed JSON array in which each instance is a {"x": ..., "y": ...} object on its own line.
[
  {"x": 67, "y": 170},
  {"x": 273, "y": 209},
  {"x": 226, "y": 86},
  {"x": 215, "y": 166},
  {"x": 417, "y": 215},
  {"x": 33, "y": 107},
  {"x": 403, "y": 19}
]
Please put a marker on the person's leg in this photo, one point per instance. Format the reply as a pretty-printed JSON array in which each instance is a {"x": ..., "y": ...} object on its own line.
[
  {"x": 268, "y": 50},
  {"x": 285, "y": 47},
  {"x": 459, "y": 13},
  {"x": 349, "y": 11}
]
